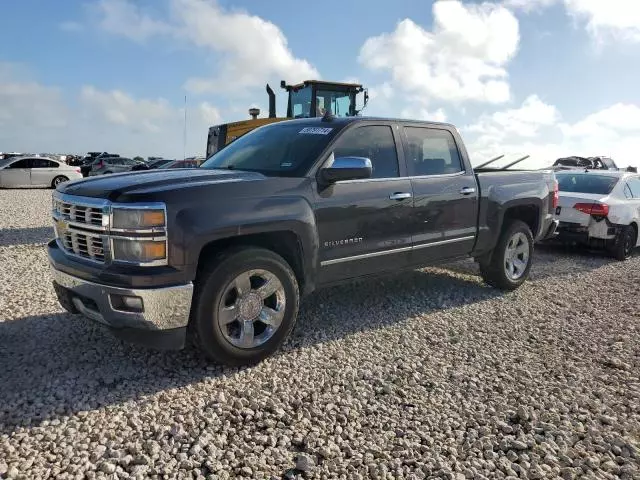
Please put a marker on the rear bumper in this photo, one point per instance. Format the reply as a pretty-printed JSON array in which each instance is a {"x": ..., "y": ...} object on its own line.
[
  {"x": 159, "y": 320},
  {"x": 599, "y": 234}
]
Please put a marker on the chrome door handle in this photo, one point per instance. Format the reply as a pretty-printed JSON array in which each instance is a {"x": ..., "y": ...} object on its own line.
[
  {"x": 400, "y": 196},
  {"x": 467, "y": 190}
]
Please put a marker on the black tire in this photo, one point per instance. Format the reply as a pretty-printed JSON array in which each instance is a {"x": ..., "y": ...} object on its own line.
[
  {"x": 493, "y": 269},
  {"x": 58, "y": 180},
  {"x": 624, "y": 243},
  {"x": 211, "y": 286}
]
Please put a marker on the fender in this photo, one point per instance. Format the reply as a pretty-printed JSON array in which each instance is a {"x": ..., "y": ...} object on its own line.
[
  {"x": 208, "y": 222},
  {"x": 498, "y": 197}
]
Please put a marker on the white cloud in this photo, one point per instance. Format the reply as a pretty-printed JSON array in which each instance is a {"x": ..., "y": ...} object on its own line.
[
  {"x": 524, "y": 121},
  {"x": 253, "y": 49},
  {"x": 529, "y": 5},
  {"x": 535, "y": 129},
  {"x": 419, "y": 113},
  {"x": 35, "y": 118},
  {"x": 618, "y": 119},
  {"x": 617, "y": 18},
  {"x": 247, "y": 49},
  {"x": 122, "y": 18},
  {"x": 119, "y": 108},
  {"x": 463, "y": 58},
  {"x": 27, "y": 105}
]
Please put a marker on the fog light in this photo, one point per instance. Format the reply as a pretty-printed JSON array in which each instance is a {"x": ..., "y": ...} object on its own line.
[{"x": 126, "y": 303}]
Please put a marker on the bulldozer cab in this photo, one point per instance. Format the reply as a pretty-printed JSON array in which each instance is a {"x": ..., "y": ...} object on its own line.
[
  {"x": 311, "y": 98},
  {"x": 314, "y": 98}
]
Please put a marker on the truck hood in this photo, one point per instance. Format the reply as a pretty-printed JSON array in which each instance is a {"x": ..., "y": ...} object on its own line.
[{"x": 115, "y": 185}]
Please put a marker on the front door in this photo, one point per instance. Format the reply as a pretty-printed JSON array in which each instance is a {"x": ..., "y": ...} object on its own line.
[
  {"x": 364, "y": 225},
  {"x": 445, "y": 195},
  {"x": 16, "y": 174}
]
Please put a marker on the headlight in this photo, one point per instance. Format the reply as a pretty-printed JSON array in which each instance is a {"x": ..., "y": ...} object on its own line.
[
  {"x": 139, "y": 251},
  {"x": 132, "y": 219}
]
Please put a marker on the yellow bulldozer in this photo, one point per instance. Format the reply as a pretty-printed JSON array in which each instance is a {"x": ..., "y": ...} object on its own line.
[{"x": 311, "y": 98}]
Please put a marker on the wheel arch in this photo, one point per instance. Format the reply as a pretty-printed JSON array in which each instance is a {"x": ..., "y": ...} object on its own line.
[{"x": 285, "y": 243}]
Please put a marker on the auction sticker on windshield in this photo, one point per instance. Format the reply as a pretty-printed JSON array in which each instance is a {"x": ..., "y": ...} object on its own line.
[{"x": 316, "y": 131}]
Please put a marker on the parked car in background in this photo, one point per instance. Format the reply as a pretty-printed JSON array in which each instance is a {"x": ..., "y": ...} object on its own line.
[
  {"x": 106, "y": 165},
  {"x": 591, "y": 163},
  {"x": 35, "y": 172},
  {"x": 152, "y": 164},
  {"x": 599, "y": 209},
  {"x": 181, "y": 164}
]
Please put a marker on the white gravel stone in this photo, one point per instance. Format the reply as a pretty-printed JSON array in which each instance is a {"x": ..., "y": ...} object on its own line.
[{"x": 428, "y": 374}]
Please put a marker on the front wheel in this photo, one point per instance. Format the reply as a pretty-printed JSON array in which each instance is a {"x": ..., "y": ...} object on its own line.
[
  {"x": 624, "y": 243},
  {"x": 58, "y": 180},
  {"x": 510, "y": 262},
  {"x": 245, "y": 306}
]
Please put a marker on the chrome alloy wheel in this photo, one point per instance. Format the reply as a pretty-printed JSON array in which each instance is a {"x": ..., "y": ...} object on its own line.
[
  {"x": 516, "y": 256},
  {"x": 251, "y": 308}
]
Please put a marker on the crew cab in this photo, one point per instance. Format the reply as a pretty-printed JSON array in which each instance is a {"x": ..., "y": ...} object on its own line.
[{"x": 224, "y": 252}]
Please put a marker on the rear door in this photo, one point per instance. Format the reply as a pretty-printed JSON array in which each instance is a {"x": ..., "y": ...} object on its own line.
[
  {"x": 445, "y": 195},
  {"x": 364, "y": 225},
  {"x": 43, "y": 171},
  {"x": 16, "y": 174}
]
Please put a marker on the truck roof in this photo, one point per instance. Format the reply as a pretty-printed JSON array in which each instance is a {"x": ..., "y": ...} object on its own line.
[{"x": 347, "y": 120}]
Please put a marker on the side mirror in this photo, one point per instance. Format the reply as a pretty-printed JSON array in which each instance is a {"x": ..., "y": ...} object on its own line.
[{"x": 346, "y": 168}]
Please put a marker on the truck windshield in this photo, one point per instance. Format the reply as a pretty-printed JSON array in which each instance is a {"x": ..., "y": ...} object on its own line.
[
  {"x": 586, "y": 183},
  {"x": 281, "y": 149}
]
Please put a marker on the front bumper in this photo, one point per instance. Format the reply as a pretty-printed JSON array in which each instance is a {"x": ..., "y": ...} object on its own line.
[{"x": 160, "y": 321}]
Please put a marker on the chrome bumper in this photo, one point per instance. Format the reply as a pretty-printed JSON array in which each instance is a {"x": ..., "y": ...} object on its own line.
[{"x": 162, "y": 308}]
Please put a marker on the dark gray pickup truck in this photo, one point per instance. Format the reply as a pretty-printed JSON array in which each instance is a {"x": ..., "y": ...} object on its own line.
[{"x": 225, "y": 251}]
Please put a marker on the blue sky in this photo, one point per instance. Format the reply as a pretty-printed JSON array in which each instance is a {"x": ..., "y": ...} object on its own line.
[{"x": 539, "y": 77}]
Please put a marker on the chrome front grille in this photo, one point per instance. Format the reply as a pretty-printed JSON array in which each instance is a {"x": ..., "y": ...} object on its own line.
[
  {"x": 84, "y": 244},
  {"x": 82, "y": 227},
  {"x": 82, "y": 214}
]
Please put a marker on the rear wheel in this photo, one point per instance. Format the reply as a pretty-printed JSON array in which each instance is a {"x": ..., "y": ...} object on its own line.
[
  {"x": 624, "y": 243},
  {"x": 245, "y": 306},
  {"x": 510, "y": 262},
  {"x": 58, "y": 180}
]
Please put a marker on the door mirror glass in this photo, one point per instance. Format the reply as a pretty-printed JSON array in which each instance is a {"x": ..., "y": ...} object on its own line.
[{"x": 346, "y": 168}]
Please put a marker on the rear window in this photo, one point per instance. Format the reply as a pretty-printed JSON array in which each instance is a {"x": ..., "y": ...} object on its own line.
[{"x": 586, "y": 183}]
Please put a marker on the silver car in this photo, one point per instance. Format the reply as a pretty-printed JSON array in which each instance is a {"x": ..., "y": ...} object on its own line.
[
  {"x": 104, "y": 165},
  {"x": 35, "y": 172}
]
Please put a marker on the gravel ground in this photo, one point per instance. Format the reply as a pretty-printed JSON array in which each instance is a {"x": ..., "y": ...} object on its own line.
[{"x": 426, "y": 375}]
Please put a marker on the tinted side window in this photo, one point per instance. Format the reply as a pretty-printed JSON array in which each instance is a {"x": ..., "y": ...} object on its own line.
[
  {"x": 374, "y": 142},
  {"x": 42, "y": 163},
  {"x": 20, "y": 164},
  {"x": 634, "y": 186},
  {"x": 431, "y": 152}
]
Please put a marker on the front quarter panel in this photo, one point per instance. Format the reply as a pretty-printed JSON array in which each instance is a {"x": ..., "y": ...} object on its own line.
[{"x": 233, "y": 210}]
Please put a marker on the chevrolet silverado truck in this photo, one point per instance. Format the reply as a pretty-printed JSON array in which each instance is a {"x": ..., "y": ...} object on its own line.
[{"x": 222, "y": 254}]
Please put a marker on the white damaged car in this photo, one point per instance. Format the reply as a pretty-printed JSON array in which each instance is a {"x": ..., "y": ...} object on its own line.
[{"x": 599, "y": 208}]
